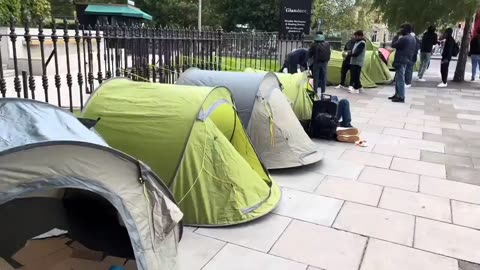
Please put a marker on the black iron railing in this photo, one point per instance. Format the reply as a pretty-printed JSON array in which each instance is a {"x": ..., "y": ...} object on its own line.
[{"x": 63, "y": 66}]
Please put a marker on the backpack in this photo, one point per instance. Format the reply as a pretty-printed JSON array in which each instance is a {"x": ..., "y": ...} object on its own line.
[
  {"x": 456, "y": 49},
  {"x": 324, "y": 121}
]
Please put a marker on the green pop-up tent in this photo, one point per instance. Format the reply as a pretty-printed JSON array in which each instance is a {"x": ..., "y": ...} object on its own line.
[
  {"x": 295, "y": 87},
  {"x": 193, "y": 139}
]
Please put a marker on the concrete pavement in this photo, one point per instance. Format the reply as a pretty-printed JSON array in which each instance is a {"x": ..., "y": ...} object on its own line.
[{"x": 410, "y": 200}]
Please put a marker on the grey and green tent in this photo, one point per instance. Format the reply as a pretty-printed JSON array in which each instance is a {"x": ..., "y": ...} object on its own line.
[
  {"x": 45, "y": 150},
  {"x": 193, "y": 139},
  {"x": 266, "y": 114},
  {"x": 295, "y": 87}
]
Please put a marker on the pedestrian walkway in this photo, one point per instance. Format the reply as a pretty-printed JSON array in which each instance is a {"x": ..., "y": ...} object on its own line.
[{"x": 410, "y": 200}]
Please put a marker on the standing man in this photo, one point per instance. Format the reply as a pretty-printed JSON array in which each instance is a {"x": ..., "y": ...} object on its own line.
[
  {"x": 356, "y": 62},
  {"x": 346, "y": 63},
  {"x": 447, "y": 55},
  {"x": 411, "y": 66},
  {"x": 405, "y": 46},
  {"x": 296, "y": 58},
  {"x": 320, "y": 52},
  {"x": 475, "y": 53},
  {"x": 429, "y": 39}
]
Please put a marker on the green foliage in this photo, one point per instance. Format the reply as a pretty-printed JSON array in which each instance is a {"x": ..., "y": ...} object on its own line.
[
  {"x": 342, "y": 15},
  {"x": 62, "y": 8},
  {"x": 37, "y": 9},
  {"x": 9, "y": 8},
  {"x": 260, "y": 15},
  {"x": 426, "y": 12}
]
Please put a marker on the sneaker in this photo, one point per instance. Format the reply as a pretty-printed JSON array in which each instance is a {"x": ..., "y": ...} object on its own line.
[
  {"x": 354, "y": 91},
  {"x": 421, "y": 80},
  {"x": 408, "y": 86},
  {"x": 340, "y": 87},
  {"x": 442, "y": 85}
]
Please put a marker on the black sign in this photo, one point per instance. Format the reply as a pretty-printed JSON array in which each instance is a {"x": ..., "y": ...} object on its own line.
[{"x": 295, "y": 16}]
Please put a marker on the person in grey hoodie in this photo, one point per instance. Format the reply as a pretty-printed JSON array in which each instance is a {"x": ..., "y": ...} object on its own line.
[
  {"x": 356, "y": 62},
  {"x": 405, "y": 46}
]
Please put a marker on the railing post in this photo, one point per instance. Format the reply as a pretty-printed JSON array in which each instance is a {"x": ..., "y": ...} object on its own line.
[
  {"x": 66, "y": 39},
  {"x": 91, "y": 78},
  {"x": 79, "y": 63},
  {"x": 99, "y": 56},
  {"x": 41, "y": 39},
  {"x": 58, "y": 83},
  {"x": 25, "y": 83},
  {"x": 3, "y": 84},
  {"x": 13, "y": 39},
  {"x": 28, "y": 40},
  {"x": 219, "y": 48}
]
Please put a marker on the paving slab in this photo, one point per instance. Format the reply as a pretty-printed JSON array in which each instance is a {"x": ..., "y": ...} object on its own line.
[
  {"x": 375, "y": 222},
  {"x": 397, "y": 151},
  {"x": 308, "y": 207},
  {"x": 381, "y": 255},
  {"x": 447, "y": 239},
  {"x": 419, "y": 167},
  {"x": 350, "y": 190},
  {"x": 403, "y": 133},
  {"x": 336, "y": 168},
  {"x": 233, "y": 257},
  {"x": 298, "y": 178},
  {"x": 446, "y": 159},
  {"x": 450, "y": 189},
  {"x": 465, "y": 175},
  {"x": 390, "y": 178},
  {"x": 422, "y": 128},
  {"x": 259, "y": 235},
  {"x": 370, "y": 159},
  {"x": 417, "y": 204},
  {"x": 190, "y": 256},
  {"x": 466, "y": 214},
  {"x": 321, "y": 247}
]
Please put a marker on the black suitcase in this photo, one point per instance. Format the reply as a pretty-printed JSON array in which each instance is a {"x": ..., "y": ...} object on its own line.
[{"x": 324, "y": 121}]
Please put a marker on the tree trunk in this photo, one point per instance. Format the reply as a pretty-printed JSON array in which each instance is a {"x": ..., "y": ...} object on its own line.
[{"x": 463, "y": 56}]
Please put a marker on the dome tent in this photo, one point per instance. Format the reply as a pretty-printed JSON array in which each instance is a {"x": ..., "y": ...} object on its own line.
[
  {"x": 192, "y": 138},
  {"x": 295, "y": 87},
  {"x": 44, "y": 149},
  {"x": 275, "y": 131}
]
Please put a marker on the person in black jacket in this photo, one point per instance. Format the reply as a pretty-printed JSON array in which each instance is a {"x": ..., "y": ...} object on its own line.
[
  {"x": 429, "y": 39},
  {"x": 475, "y": 53},
  {"x": 346, "y": 63},
  {"x": 405, "y": 46},
  {"x": 447, "y": 56},
  {"x": 298, "y": 57},
  {"x": 411, "y": 65},
  {"x": 320, "y": 53}
]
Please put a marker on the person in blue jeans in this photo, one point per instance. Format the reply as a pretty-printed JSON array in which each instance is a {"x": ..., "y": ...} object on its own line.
[
  {"x": 343, "y": 112},
  {"x": 405, "y": 45},
  {"x": 475, "y": 53},
  {"x": 320, "y": 53}
]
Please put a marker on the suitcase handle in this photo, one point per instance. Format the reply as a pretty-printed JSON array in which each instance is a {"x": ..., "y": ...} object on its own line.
[{"x": 323, "y": 96}]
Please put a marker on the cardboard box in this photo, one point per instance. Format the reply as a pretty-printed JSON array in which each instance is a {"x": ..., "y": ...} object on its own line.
[
  {"x": 82, "y": 252},
  {"x": 130, "y": 265},
  {"x": 57, "y": 254},
  {"x": 4, "y": 265},
  {"x": 38, "y": 249}
]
